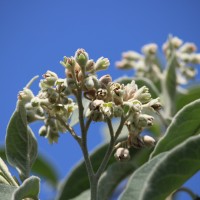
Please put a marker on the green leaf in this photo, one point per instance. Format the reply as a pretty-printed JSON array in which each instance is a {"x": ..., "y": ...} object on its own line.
[
  {"x": 165, "y": 173},
  {"x": 78, "y": 182},
  {"x": 185, "y": 124},
  {"x": 141, "y": 82},
  {"x": 30, "y": 188},
  {"x": 83, "y": 196},
  {"x": 5, "y": 174},
  {"x": 42, "y": 167},
  {"x": 6, "y": 191},
  {"x": 21, "y": 145},
  {"x": 169, "y": 86},
  {"x": 118, "y": 171},
  {"x": 192, "y": 94}
]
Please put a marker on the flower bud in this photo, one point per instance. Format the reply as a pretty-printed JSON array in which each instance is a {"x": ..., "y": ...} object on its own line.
[
  {"x": 122, "y": 154},
  {"x": 101, "y": 94},
  {"x": 149, "y": 49},
  {"x": 95, "y": 105},
  {"x": 102, "y": 64},
  {"x": 26, "y": 95},
  {"x": 104, "y": 80},
  {"x": 145, "y": 120},
  {"x": 143, "y": 95},
  {"x": 89, "y": 83},
  {"x": 107, "y": 109},
  {"x": 50, "y": 78},
  {"x": 131, "y": 56},
  {"x": 188, "y": 48},
  {"x": 68, "y": 63},
  {"x": 71, "y": 83},
  {"x": 148, "y": 141},
  {"x": 117, "y": 111},
  {"x": 81, "y": 57},
  {"x": 124, "y": 64},
  {"x": 90, "y": 66}
]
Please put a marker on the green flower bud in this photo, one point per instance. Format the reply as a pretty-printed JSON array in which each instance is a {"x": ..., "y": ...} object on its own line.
[
  {"x": 145, "y": 120},
  {"x": 143, "y": 95},
  {"x": 50, "y": 78},
  {"x": 102, "y": 64},
  {"x": 107, "y": 109},
  {"x": 149, "y": 49},
  {"x": 81, "y": 57},
  {"x": 71, "y": 83},
  {"x": 26, "y": 95},
  {"x": 117, "y": 111},
  {"x": 68, "y": 63}
]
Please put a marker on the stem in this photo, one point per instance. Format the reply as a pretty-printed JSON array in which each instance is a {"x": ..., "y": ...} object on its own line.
[
  {"x": 112, "y": 143},
  {"x": 31, "y": 81}
]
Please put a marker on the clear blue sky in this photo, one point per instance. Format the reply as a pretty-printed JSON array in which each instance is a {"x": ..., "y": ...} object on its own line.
[{"x": 35, "y": 35}]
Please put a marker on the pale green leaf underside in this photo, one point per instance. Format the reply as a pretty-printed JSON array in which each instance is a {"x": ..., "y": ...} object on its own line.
[
  {"x": 6, "y": 191},
  {"x": 165, "y": 173},
  {"x": 186, "y": 123},
  {"x": 21, "y": 145},
  {"x": 29, "y": 189}
]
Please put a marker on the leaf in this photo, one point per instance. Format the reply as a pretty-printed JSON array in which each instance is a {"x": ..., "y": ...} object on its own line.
[
  {"x": 21, "y": 145},
  {"x": 5, "y": 174},
  {"x": 6, "y": 191},
  {"x": 185, "y": 124},
  {"x": 83, "y": 196},
  {"x": 169, "y": 86},
  {"x": 118, "y": 171},
  {"x": 30, "y": 188},
  {"x": 78, "y": 182},
  {"x": 165, "y": 173},
  {"x": 141, "y": 81},
  {"x": 192, "y": 94},
  {"x": 42, "y": 167}
]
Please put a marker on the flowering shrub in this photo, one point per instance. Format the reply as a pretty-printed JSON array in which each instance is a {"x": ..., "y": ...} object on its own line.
[{"x": 156, "y": 137}]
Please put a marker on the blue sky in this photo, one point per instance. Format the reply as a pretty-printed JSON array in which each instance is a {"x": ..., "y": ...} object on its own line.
[{"x": 35, "y": 35}]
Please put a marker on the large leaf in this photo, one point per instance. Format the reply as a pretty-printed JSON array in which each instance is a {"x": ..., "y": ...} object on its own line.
[
  {"x": 83, "y": 196},
  {"x": 21, "y": 145},
  {"x": 118, "y": 171},
  {"x": 6, "y": 191},
  {"x": 169, "y": 86},
  {"x": 42, "y": 167},
  {"x": 141, "y": 81},
  {"x": 192, "y": 94},
  {"x": 30, "y": 188},
  {"x": 165, "y": 173},
  {"x": 78, "y": 182},
  {"x": 186, "y": 123}
]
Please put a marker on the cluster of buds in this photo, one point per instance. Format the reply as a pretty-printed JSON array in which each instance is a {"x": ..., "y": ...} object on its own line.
[
  {"x": 50, "y": 105},
  {"x": 107, "y": 99},
  {"x": 147, "y": 64},
  {"x": 185, "y": 57}
]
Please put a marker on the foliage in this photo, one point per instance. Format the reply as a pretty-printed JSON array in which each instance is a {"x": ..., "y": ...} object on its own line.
[{"x": 154, "y": 144}]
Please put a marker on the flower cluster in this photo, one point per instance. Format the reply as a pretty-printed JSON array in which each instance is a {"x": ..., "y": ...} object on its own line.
[
  {"x": 107, "y": 99},
  {"x": 147, "y": 64}
]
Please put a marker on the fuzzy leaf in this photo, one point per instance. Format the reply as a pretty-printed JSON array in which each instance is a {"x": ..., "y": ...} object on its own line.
[
  {"x": 41, "y": 167},
  {"x": 118, "y": 171},
  {"x": 83, "y": 196},
  {"x": 185, "y": 124},
  {"x": 192, "y": 94},
  {"x": 6, "y": 191},
  {"x": 21, "y": 145},
  {"x": 30, "y": 188},
  {"x": 169, "y": 86},
  {"x": 165, "y": 173}
]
